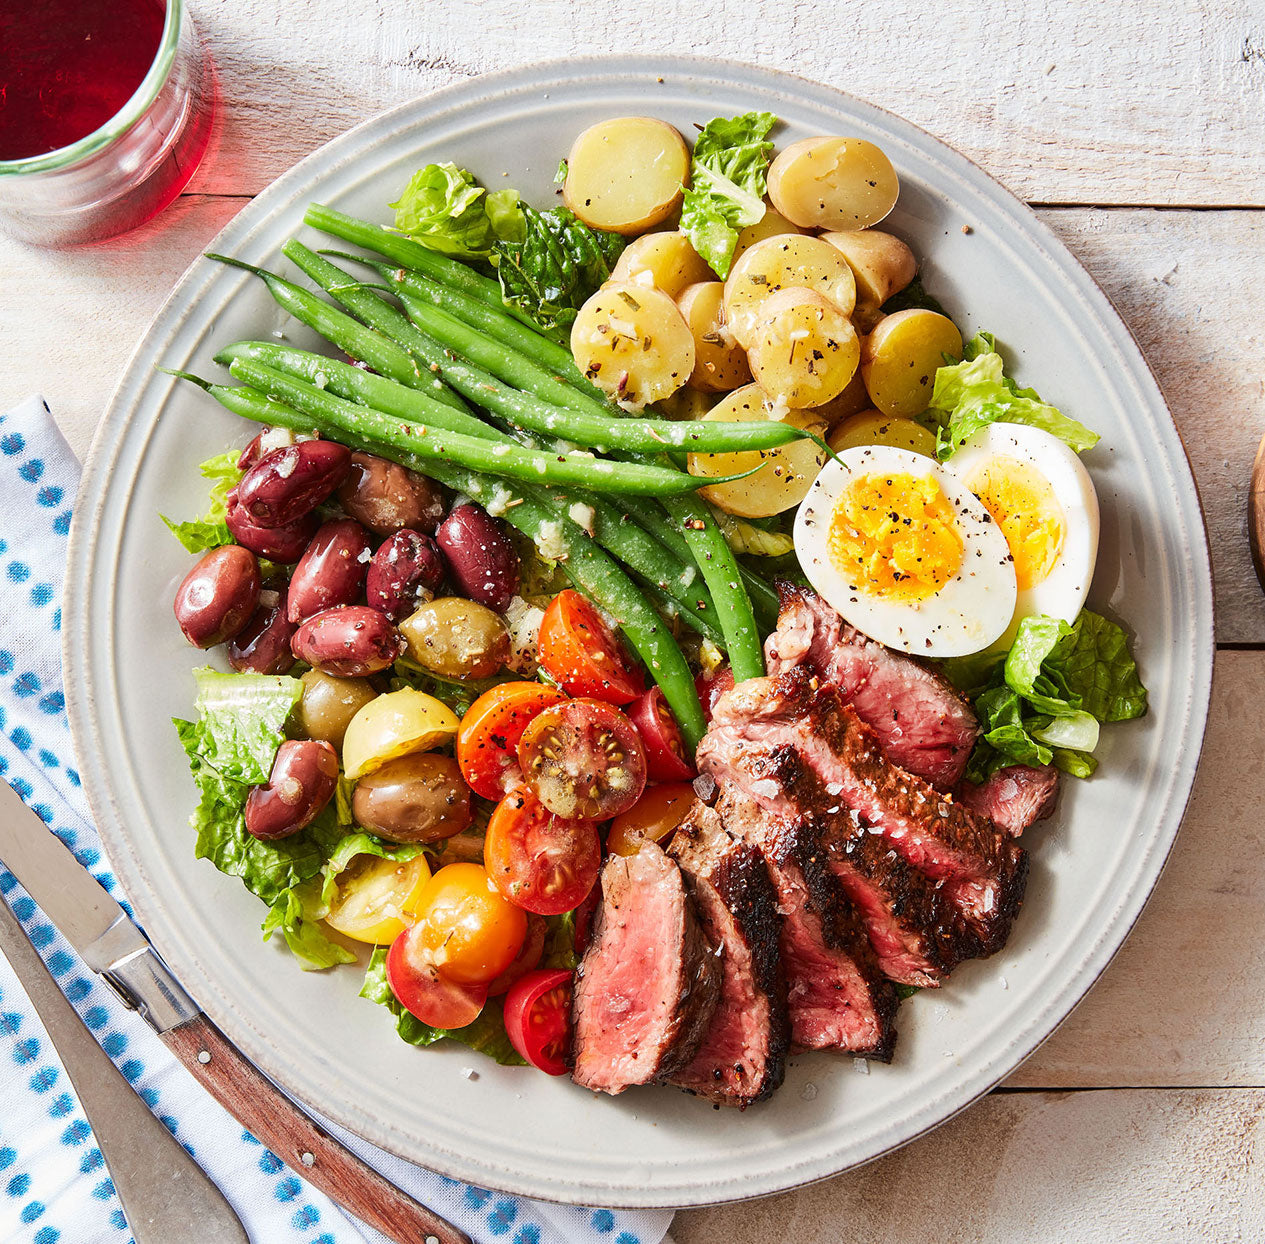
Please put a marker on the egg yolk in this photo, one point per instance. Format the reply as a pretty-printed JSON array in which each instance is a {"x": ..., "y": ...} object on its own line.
[
  {"x": 895, "y": 536},
  {"x": 1024, "y": 506}
]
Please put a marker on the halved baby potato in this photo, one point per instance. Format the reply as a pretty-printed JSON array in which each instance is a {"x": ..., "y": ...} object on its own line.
[
  {"x": 768, "y": 226},
  {"x": 665, "y": 260},
  {"x": 873, "y": 427},
  {"x": 785, "y": 473},
  {"x": 632, "y": 342},
  {"x": 851, "y": 401},
  {"x": 805, "y": 350},
  {"x": 785, "y": 261},
  {"x": 833, "y": 183},
  {"x": 900, "y": 357},
  {"x": 720, "y": 363},
  {"x": 882, "y": 264},
  {"x": 625, "y": 175}
]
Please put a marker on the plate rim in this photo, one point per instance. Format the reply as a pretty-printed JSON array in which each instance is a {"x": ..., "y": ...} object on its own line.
[{"x": 280, "y": 194}]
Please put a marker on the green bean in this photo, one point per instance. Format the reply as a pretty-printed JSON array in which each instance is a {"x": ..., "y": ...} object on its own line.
[
  {"x": 349, "y": 335},
  {"x": 475, "y": 453}
]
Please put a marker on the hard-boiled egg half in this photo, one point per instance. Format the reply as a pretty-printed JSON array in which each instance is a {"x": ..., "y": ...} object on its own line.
[
  {"x": 1043, "y": 500},
  {"x": 899, "y": 545}
]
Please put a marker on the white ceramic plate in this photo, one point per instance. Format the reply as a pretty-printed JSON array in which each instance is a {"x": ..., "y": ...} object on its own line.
[{"x": 995, "y": 266}]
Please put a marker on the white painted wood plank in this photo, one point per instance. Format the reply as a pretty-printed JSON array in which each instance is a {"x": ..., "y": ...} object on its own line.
[
  {"x": 1034, "y": 1168},
  {"x": 1065, "y": 101}
]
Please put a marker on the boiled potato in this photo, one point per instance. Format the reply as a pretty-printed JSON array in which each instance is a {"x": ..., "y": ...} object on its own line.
[
  {"x": 833, "y": 183},
  {"x": 769, "y": 225},
  {"x": 785, "y": 473},
  {"x": 720, "y": 363},
  {"x": 633, "y": 343},
  {"x": 882, "y": 264},
  {"x": 872, "y": 427},
  {"x": 851, "y": 401},
  {"x": 782, "y": 262},
  {"x": 805, "y": 350},
  {"x": 900, "y": 357},
  {"x": 686, "y": 403},
  {"x": 666, "y": 261},
  {"x": 626, "y": 174}
]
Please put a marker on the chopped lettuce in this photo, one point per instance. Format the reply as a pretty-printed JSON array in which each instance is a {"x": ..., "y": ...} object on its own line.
[
  {"x": 443, "y": 207},
  {"x": 747, "y": 539},
  {"x": 210, "y": 531},
  {"x": 727, "y": 184},
  {"x": 1043, "y": 701},
  {"x": 970, "y": 395},
  {"x": 351, "y": 848},
  {"x": 559, "y": 949},
  {"x": 555, "y": 265}
]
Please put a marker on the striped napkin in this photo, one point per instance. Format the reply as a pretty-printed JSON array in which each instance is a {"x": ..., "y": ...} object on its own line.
[{"x": 54, "y": 1188}]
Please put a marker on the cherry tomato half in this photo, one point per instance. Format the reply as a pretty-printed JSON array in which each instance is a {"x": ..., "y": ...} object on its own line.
[
  {"x": 538, "y": 1019},
  {"x": 487, "y": 740},
  {"x": 665, "y": 748},
  {"x": 528, "y": 958},
  {"x": 711, "y": 687},
  {"x": 584, "y": 760},
  {"x": 583, "y": 655},
  {"x": 423, "y": 990},
  {"x": 656, "y": 814},
  {"x": 542, "y": 862},
  {"x": 465, "y": 926}
]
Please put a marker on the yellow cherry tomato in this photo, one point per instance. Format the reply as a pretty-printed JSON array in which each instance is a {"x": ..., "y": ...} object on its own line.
[
  {"x": 655, "y": 815},
  {"x": 394, "y": 725},
  {"x": 378, "y": 899}
]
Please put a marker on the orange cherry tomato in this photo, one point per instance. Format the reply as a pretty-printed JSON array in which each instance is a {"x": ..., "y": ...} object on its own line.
[
  {"x": 487, "y": 740},
  {"x": 528, "y": 957},
  {"x": 465, "y": 926},
  {"x": 583, "y": 655},
  {"x": 545, "y": 863},
  {"x": 656, "y": 814},
  {"x": 538, "y": 1019}
]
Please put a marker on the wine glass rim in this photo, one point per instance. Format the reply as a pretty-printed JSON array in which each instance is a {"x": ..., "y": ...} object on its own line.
[{"x": 121, "y": 121}]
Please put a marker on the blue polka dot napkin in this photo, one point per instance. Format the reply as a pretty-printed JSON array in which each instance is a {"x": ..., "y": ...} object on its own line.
[{"x": 54, "y": 1188}]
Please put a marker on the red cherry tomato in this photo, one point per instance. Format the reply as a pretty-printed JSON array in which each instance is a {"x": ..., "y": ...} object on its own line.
[
  {"x": 711, "y": 687},
  {"x": 656, "y": 814},
  {"x": 665, "y": 748},
  {"x": 542, "y": 862},
  {"x": 584, "y": 760},
  {"x": 487, "y": 741},
  {"x": 425, "y": 992},
  {"x": 583, "y": 655},
  {"x": 538, "y": 1019}
]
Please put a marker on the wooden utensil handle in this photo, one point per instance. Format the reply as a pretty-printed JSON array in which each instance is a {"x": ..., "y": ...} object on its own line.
[
  {"x": 300, "y": 1142},
  {"x": 1256, "y": 513}
]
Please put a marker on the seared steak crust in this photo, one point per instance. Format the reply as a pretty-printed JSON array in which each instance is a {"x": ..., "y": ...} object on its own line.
[
  {"x": 922, "y": 723},
  {"x": 743, "y": 1056},
  {"x": 649, "y": 981}
]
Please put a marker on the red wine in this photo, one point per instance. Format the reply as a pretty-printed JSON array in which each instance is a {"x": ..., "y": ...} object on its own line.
[{"x": 68, "y": 66}]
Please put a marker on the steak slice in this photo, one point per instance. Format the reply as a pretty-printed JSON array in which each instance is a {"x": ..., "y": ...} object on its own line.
[
  {"x": 743, "y": 1056},
  {"x": 836, "y": 995},
  {"x": 1015, "y": 798},
  {"x": 923, "y": 724},
  {"x": 764, "y": 723},
  {"x": 649, "y": 981}
]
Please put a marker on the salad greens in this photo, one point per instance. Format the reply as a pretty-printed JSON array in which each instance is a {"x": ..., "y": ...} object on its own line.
[
  {"x": 1041, "y": 703},
  {"x": 727, "y": 184},
  {"x": 200, "y": 535},
  {"x": 443, "y": 207},
  {"x": 972, "y": 394}
]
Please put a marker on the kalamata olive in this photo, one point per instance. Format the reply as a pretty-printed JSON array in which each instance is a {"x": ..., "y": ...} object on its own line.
[
  {"x": 250, "y": 455},
  {"x": 289, "y": 482},
  {"x": 404, "y": 572},
  {"x": 457, "y": 638},
  {"x": 277, "y": 544},
  {"x": 417, "y": 798},
  {"x": 349, "y": 641},
  {"x": 263, "y": 644},
  {"x": 328, "y": 704},
  {"x": 482, "y": 562},
  {"x": 218, "y": 596},
  {"x": 303, "y": 778},
  {"x": 387, "y": 497},
  {"x": 332, "y": 570}
]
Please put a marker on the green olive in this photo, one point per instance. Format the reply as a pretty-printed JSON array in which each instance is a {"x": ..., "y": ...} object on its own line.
[
  {"x": 457, "y": 638},
  {"x": 328, "y": 704}
]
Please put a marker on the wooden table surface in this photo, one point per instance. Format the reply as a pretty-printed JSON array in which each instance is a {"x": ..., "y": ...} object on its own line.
[{"x": 1139, "y": 134}]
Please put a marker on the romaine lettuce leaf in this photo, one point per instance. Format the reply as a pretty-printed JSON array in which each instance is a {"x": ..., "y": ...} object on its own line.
[
  {"x": 557, "y": 263},
  {"x": 357, "y": 844},
  {"x": 210, "y": 531},
  {"x": 969, "y": 395},
  {"x": 727, "y": 184},
  {"x": 443, "y": 207},
  {"x": 295, "y": 915}
]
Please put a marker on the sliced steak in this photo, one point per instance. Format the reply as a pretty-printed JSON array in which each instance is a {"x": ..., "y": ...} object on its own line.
[
  {"x": 836, "y": 994},
  {"x": 743, "y": 1056},
  {"x": 923, "y": 724},
  {"x": 1014, "y": 799},
  {"x": 764, "y": 726},
  {"x": 649, "y": 981}
]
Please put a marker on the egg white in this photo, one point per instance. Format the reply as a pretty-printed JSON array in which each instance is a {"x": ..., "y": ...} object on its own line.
[
  {"x": 966, "y": 615},
  {"x": 1061, "y": 594}
]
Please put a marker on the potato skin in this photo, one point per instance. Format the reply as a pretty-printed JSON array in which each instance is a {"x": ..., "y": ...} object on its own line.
[
  {"x": 625, "y": 174},
  {"x": 833, "y": 183},
  {"x": 882, "y": 264},
  {"x": 720, "y": 363},
  {"x": 900, "y": 357}
]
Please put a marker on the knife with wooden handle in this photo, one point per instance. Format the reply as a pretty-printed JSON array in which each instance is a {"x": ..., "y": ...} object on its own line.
[
  {"x": 112, "y": 946},
  {"x": 1256, "y": 514}
]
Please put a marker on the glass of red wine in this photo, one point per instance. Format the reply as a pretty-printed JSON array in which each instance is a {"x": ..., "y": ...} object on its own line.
[{"x": 105, "y": 112}]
